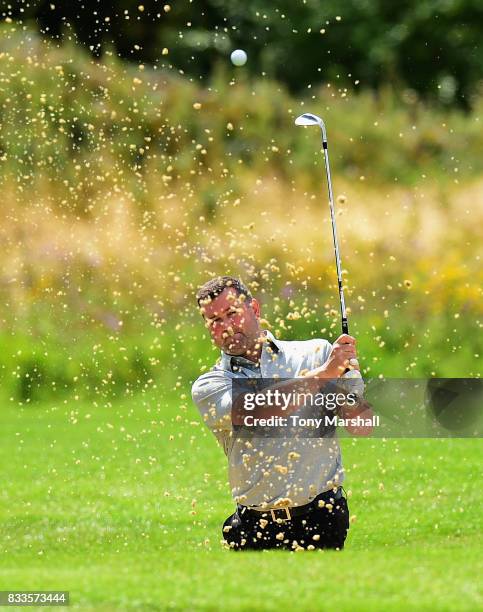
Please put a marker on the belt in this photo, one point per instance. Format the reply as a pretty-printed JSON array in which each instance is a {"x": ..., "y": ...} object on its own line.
[{"x": 285, "y": 514}]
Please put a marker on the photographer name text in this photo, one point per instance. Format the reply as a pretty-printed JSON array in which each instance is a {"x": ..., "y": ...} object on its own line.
[{"x": 298, "y": 421}]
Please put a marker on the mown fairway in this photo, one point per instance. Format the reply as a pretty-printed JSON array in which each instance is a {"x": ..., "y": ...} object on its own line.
[{"x": 123, "y": 506}]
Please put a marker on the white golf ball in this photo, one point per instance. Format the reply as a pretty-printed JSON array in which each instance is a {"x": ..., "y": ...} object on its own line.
[{"x": 238, "y": 57}]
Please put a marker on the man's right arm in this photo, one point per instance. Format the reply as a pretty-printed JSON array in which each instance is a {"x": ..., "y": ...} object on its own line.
[
  {"x": 312, "y": 382},
  {"x": 213, "y": 395}
]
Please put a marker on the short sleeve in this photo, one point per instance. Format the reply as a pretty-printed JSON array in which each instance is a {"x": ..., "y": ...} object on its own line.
[
  {"x": 320, "y": 350},
  {"x": 212, "y": 394}
]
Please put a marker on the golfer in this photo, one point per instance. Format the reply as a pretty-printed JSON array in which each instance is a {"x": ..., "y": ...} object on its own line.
[{"x": 288, "y": 491}]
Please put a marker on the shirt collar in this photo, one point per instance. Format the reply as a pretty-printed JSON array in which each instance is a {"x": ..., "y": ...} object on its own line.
[{"x": 270, "y": 346}]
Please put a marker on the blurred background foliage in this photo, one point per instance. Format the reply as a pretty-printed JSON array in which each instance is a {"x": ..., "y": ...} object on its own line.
[
  {"x": 126, "y": 184},
  {"x": 430, "y": 46}
]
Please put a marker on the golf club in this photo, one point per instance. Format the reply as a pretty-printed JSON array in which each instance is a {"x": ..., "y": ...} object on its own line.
[{"x": 310, "y": 119}]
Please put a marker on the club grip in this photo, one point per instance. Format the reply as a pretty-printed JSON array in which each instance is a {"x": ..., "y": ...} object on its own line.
[{"x": 345, "y": 330}]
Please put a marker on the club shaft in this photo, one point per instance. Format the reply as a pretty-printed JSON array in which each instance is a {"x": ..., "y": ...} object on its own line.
[{"x": 343, "y": 311}]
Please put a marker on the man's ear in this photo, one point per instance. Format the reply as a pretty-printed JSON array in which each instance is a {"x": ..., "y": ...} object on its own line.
[{"x": 256, "y": 307}]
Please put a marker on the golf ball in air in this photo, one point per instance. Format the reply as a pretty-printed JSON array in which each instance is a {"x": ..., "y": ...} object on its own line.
[{"x": 238, "y": 57}]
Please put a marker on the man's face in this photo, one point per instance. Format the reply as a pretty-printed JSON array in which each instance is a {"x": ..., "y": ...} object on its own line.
[{"x": 234, "y": 323}]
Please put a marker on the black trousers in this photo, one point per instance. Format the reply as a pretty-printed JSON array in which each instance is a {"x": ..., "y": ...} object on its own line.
[{"x": 323, "y": 526}]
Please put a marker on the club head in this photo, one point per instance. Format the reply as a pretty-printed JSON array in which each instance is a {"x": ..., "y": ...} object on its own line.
[
  {"x": 311, "y": 119},
  {"x": 308, "y": 119}
]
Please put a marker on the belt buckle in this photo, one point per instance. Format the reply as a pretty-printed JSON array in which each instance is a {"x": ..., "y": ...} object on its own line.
[{"x": 288, "y": 516}]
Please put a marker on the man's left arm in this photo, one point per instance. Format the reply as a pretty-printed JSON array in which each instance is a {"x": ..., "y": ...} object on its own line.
[{"x": 361, "y": 408}]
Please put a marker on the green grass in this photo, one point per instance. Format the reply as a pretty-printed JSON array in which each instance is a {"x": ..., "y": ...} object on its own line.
[{"x": 103, "y": 506}]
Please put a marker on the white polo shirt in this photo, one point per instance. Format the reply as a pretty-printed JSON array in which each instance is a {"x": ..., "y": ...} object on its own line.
[{"x": 269, "y": 472}]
